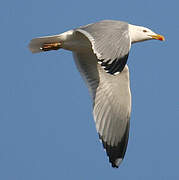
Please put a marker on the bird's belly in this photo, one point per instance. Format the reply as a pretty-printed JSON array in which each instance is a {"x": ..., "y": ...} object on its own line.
[
  {"x": 76, "y": 46},
  {"x": 76, "y": 42}
]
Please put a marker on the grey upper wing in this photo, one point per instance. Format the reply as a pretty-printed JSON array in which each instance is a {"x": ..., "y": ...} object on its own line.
[
  {"x": 110, "y": 42},
  {"x": 111, "y": 104}
]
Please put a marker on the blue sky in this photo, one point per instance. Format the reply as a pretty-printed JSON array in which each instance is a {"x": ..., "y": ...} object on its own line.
[{"x": 46, "y": 125}]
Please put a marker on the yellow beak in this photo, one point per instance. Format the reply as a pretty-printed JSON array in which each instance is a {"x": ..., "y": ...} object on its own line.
[{"x": 158, "y": 37}]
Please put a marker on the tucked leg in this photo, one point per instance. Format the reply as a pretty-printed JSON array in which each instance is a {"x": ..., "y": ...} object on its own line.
[{"x": 51, "y": 46}]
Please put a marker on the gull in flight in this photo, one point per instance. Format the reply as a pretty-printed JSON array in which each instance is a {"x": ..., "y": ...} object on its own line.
[{"x": 100, "y": 51}]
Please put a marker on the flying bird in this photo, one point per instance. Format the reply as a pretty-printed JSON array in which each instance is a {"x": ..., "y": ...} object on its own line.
[{"x": 100, "y": 51}]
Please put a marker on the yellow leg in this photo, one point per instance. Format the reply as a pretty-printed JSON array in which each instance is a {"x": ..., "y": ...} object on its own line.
[{"x": 51, "y": 46}]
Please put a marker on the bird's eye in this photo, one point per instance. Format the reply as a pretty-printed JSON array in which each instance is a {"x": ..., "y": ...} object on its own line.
[{"x": 144, "y": 30}]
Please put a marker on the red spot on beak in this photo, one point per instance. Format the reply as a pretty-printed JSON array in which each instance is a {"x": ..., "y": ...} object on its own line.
[{"x": 158, "y": 37}]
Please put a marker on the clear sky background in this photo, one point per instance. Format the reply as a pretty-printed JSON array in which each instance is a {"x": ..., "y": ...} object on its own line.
[{"x": 47, "y": 130}]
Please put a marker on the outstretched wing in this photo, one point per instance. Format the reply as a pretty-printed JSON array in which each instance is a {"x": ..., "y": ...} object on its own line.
[
  {"x": 111, "y": 104},
  {"x": 110, "y": 42}
]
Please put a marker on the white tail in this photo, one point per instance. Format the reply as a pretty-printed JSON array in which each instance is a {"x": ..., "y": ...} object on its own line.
[{"x": 36, "y": 44}]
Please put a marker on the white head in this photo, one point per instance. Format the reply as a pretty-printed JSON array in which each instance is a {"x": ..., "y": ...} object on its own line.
[{"x": 139, "y": 33}]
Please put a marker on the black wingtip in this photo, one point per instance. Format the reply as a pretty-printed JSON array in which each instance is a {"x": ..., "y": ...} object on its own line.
[
  {"x": 114, "y": 66},
  {"x": 116, "y": 163},
  {"x": 116, "y": 153}
]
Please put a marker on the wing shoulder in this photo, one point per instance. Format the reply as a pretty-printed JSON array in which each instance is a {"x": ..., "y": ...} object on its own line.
[{"x": 110, "y": 42}]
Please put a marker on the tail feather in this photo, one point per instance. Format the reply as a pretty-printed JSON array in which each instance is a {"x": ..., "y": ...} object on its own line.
[{"x": 36, "y": 43}]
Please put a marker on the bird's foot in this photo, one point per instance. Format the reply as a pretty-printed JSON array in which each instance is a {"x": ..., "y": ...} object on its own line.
[{"x": 51, "y": 46}]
